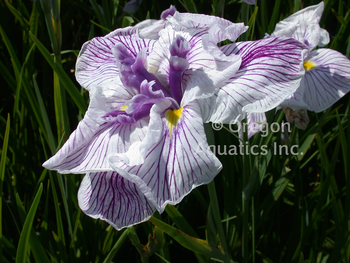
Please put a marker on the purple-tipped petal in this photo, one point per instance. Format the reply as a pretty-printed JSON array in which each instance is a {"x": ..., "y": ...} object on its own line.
[
  {"x": 168, "y": 12},
  {"x": 173, "y": 159},
  {"x": 114, "y": 199},
  {"x": 271, "y": 70},
  {"x": 150, "y": 28},
  {"x": 96, "y": 63}
]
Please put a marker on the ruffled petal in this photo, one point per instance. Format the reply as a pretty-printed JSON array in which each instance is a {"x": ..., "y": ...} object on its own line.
[
  {"x": 150, "y": 28},
  {"x": 304, "y": 27},
  {"x": 112, "y": 198},
  {"x": 205, "y": 73},
  {"x": 173, "y": 158},
  {"x": 271, "y": 70},
  {"x": 219, "y": 29},
  {"x": 96, "y": 63},
  {"x": 89, "y": 145}
]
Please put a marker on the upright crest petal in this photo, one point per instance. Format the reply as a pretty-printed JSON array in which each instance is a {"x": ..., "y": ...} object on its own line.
[{"x": 304, "y": 27}]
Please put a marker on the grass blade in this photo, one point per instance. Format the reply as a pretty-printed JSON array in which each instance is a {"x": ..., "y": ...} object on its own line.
[
  {"x": 23, "y": 244},
  {"x": 2, "y": 172},
  {"x": 191, "y": 243},
  {"x": 66, "y": 81}
]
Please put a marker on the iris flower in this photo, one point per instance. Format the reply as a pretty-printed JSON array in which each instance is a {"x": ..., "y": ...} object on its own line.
[
  {"x": 327, "y": 72},
  {"x": 135, "y": 141},
  {"x": 142, "y": 143}
]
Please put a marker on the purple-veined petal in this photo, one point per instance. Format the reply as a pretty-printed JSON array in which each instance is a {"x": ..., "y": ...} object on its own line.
[
  {"x": 256, "y": 123},
  {"x": 200, "y": 85},
  {"x": 89, "y": 145},
  {"x": 216, "y": 29},
  {"x": 271, "y": 70},
  {"x": 96, "y": 63},
  {"x": 296, "y": 100},
  {"x": 219, "y": 29},
  {"x": 324, "y": 83},
  {"x": 173, "y": 158},
  {"x": 304, "y": 27},
  {"x": 158, "y": 60},
  {"x": 114, "y": 199}
]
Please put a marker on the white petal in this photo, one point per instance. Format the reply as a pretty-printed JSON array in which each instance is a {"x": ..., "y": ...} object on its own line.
[
  {"x": 304, "y": 27},
  {"x": 150, "y": 28},
  {"x": 110, "y": 197},
  {"x": 176, "y": 159},
  {"x": 328, "y": 82},
  {"x": 89, "y": 145},
  {"x": 218, "y": 28},
  {"x": 271, "y": 70}
]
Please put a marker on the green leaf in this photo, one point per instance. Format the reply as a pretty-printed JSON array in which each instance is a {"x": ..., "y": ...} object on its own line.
[
  {"x": 34, "y": 242},
  {"x": 127, "y": 21},
  {"x": 264, "y": 258},
  {"x": 189, "y": 5},
  {"x": 15, "y": 62},
  {"x": 183, "y": 225},
  {"x": 66, "y": 81},
  {"x": 23, "y": 244},
  {"x": 117, "y": 246},
  {"x": 45, "y": 118},
  {"x": 2, "y": 172},
  {"x": 17, "y": 14},
  {"x": 100, "y": 26},
  {"x": 180, "y": 221},
  {"x": 191, "y": 243},
  {"x": 281, "y": 183}
]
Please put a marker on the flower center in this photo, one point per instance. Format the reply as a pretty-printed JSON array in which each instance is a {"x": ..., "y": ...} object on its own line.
[
  {"x": 172, "y": 117},
  {"x": 308, "y": 65},
  {"x": 134, "y": 74}
]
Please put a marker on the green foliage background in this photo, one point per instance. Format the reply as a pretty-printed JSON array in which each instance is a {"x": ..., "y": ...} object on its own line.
[{"x": 272, "y": 208}]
